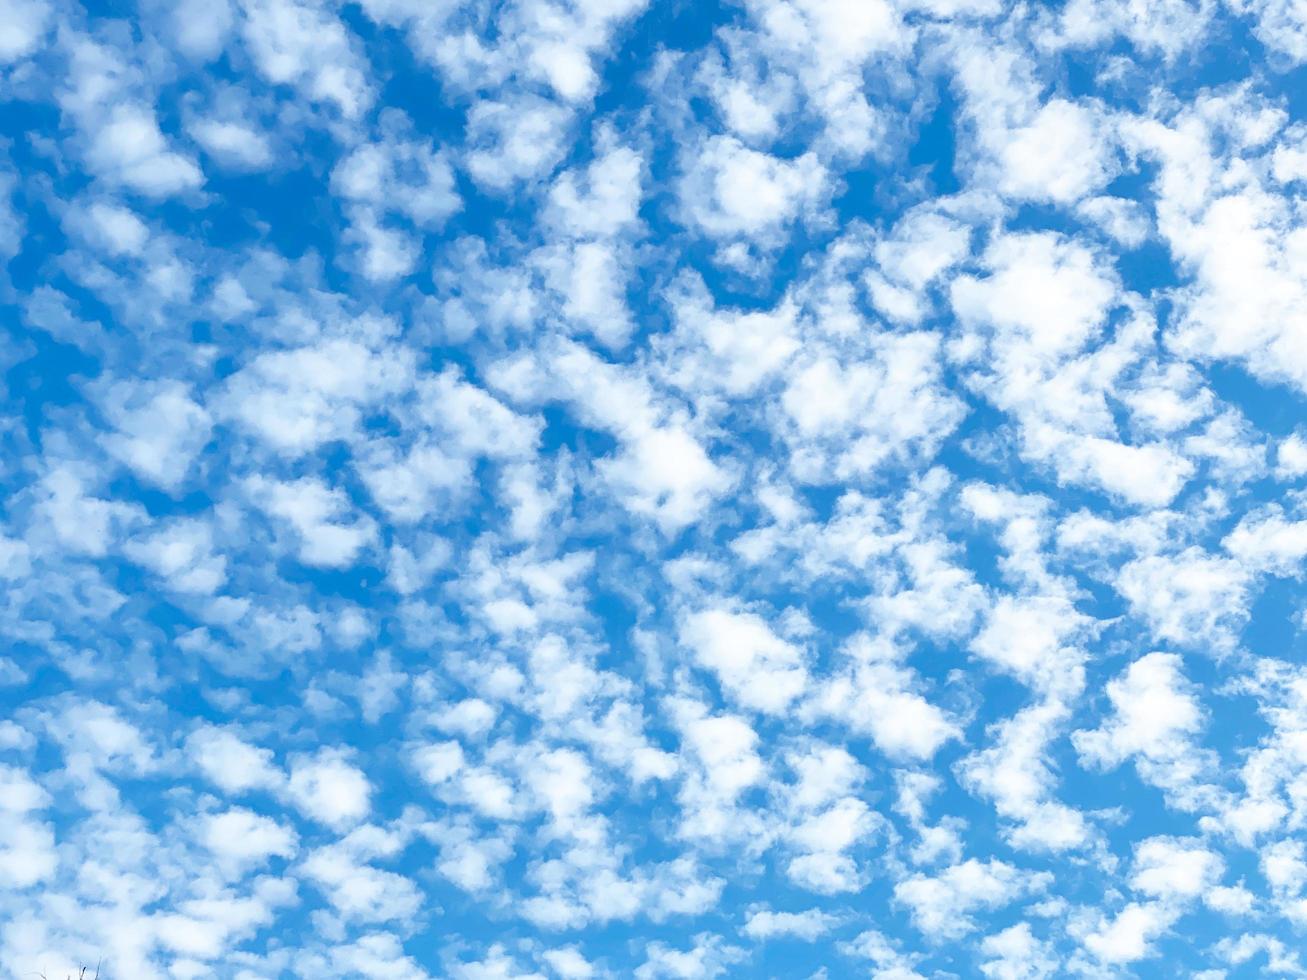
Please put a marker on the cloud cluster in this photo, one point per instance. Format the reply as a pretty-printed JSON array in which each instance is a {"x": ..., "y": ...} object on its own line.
[{"x": 601, "y": 488}]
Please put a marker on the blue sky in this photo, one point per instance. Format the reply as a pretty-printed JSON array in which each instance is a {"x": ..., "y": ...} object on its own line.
[{"x": 618, "y": 488}]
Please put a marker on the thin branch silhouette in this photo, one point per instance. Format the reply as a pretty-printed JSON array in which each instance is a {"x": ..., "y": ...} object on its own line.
[{"x": 81, "y": 973}]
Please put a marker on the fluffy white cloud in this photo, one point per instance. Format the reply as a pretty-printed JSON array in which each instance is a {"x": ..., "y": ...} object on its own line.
[
  {"x": 318, "y": 514},
  {"x": 1016, "y": 954},
  {"x": 1128, "y": 936},
  {"x": 732, "y": 190},
  {"x": 1044, "y": 297},
  {"x": 1156, "y": 719},
  {"x": 357, "y": 890},
  {"x": 128, "y": 148},
  {"x": 232, "y": 143},
  {"x": 482, "y": 463},
  {"x": 759, "y": 669},
  {"x": 602, "y": 201},
  {"x": 328, "y": 789},
  {"x": 298, "y": 399},
  {"x": 723, "y": 764},
  {"x": 1060, "y": 155},
  {"x": 942, "y": 905},
  {"x": 1189, "y": 598},
  {"x": 24, "y": 22},
  {"x": 1280, "y": 25},
  {"x": 1266, "y": 542},
  {"x": 27, "y": 844},
  {"x": 230, "y": 762},
  {"x": 1016, "y": 773},
  {"x": 876, "y": 696},
  {"x": 851, "y": 420},
  {"x": 241, "y": 837},
  {"x": 303, "y": 44},
  {"x": 809, "y": 925},
  {"x": 708, "y": 956},
  {"x": 1175, "y": 869},
  {"x": 515, "y": 141},
  {"x": 182, "y": 554},
  {"x": 158, "y": 429},
  {"x": 1291, "y": 458},
  {"x": 1155, "y": 713}
]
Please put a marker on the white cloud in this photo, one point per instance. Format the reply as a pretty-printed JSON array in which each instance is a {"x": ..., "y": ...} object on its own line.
[
  {"x": 116, "y": 229},
  {"x": 852, "y": 419},
  {"x": 568, "y": 963},
  {"x": 1060, "y": 155},
  {"x": 385, "y": 254},
  {"x": 723, "y": 763},
  {"x": 317, "y": 513},
  {"x": 201, "y": 27},
  {"x": 1291, "y": 458},
  {"x": 823, "y": 840},
  {"x": 84, "y": 523},
  {"x": 1265, "y": 542},
  {"x": 708, "y": 957},
  {"x": 1191, "y": 598},
  {"x": 591, "y": 279},
  {"x": 330, "y": 790},
  {"x": 1127, "y": 938},
  {"x": 470, "y": 862},
  {"x": 373, "y": 956},
  {"x": 400, "y": 176},
  {"x": 397, "y": 178},
  {"x": 358, "y": 891},
  {"x": 1149, "y": 475},
  {"x": 825, "y": 47},
  {"x": 809, "y": 925},
  {"x": 182, "y": 555},
  {"x": 1155, "y": 713},
  {"x": 876, "y": 696},
  {"x": 1168, "y": 27},
  {"x": 128, "y": 148},
  {"x": 298, "y": 399},
  {"x": 1280, "y": 24},
  {"x": 302, "y": 44},
  {"x": 923, "y": 245},
  {"x": 231, "y": 763},
  {"x": 602, "y": 201},
  {"x": 1015, "y": 771},
  {"x": 243, "y": 838},
  {"x": 665, "y": 474},
  {"x": 732, "y": 190},
  {"x": 889, "y": 963},
  {"x": 23, "y": 23},
  {"x": 158, "y": 429},
  {"x": 1045, "y": 296},
  {"x": 758, "y": 669},
  {"x": 734, "y": 350},
  {"x": 27, "y": 845},
  {"x": 1016, "y": 954},
  {"x": 1175, "y": 869},
  {"x": 515, "y": 141},
  {"x": 232, "y": 144},
  {"x": 1260, "y": 293},
  {"x": 1035, "y": 638},
  {"x": 942, "y": 905},
  {"x": 1156, "y": 719}
]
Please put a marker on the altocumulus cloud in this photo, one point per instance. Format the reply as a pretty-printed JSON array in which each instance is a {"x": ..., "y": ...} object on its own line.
[{"x": 629, "y": 488}]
